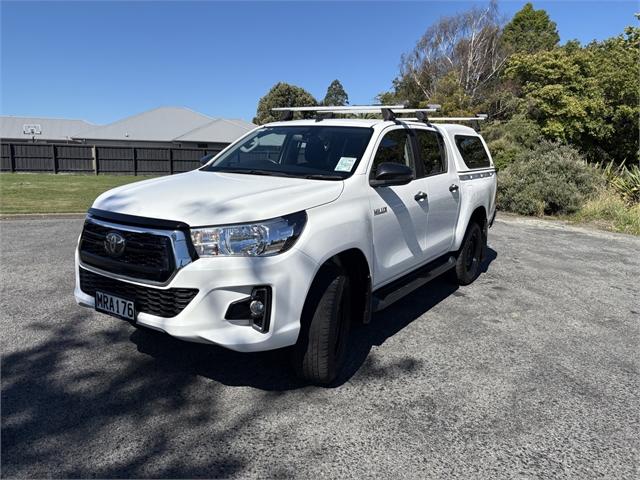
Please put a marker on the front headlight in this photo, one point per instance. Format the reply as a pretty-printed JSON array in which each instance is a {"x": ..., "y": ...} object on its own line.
[{"x": 249, "y": 239}]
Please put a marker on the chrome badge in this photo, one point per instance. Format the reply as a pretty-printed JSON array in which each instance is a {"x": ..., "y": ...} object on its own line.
[{"x": 380, "y": 211}]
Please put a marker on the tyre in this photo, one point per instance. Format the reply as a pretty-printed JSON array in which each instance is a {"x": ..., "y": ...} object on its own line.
[
  {"x": 319, "y": 353},
  {"x": 470, "y": 255}
]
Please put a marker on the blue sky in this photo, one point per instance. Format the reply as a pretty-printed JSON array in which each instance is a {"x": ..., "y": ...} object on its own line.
[{"x": 101, "y": 61}]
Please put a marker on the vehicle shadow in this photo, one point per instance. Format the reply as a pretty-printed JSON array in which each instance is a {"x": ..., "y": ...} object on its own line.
[{"x": 271, "y": 370}]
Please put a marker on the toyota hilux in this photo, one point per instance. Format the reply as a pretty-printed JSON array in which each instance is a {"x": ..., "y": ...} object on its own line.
[{"x": 293, "y": 232}]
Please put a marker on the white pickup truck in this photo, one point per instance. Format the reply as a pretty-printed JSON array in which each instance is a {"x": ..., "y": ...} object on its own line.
[{"x": 293, "y": 232}]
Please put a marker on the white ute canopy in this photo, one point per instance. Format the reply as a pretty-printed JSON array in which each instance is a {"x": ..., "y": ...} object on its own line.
[{"x": 388, "y": 112}]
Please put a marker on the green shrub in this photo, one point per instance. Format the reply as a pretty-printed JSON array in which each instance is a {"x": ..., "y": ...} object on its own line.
[
  {"x": 509, "y": 140},
  {"x": 550, "y": 179}
]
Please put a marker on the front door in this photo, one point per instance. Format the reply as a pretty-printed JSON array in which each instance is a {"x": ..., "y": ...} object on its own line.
[{"x": 399, "y": 223}]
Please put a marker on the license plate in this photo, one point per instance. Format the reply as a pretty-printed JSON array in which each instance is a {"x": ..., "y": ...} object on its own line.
[{"x": 116, "y": 306}]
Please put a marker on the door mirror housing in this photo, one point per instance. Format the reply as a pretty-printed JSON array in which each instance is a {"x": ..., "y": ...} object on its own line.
[{"x": 389, "y": 174}]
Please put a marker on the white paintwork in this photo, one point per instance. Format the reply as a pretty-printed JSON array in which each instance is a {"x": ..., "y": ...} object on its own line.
[
  {"x": 340, "y": 217},
  {"x": 200, "y": 198}
]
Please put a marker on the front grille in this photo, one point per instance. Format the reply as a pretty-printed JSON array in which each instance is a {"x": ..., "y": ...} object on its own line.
[
  {"x": 146, "y": 256},
  {"x": 154, "y": 301}
]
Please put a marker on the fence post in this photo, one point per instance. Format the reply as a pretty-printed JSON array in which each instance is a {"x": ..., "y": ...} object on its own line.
[
  {"x": 170, "y": 161},
  {"x": 12, "y": 158},
  {"x": 135, "y": 161},
  {"x": 94, "y": 159},
  {"x": 54, "y": 159}
]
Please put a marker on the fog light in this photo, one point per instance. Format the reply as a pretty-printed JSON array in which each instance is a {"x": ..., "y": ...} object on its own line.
[
  {"x": 260, "y": 308},
  {"x": 257, "y": 308}
]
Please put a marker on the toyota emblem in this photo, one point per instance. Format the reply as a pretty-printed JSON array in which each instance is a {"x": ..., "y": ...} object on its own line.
[{"x": 114, "y": 244}]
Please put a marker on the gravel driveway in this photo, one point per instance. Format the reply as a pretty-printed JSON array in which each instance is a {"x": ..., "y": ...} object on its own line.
[{"x": 532, "y": 371}]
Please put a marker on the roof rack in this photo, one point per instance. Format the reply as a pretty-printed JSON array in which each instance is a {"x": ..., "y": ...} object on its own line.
[
  {"x": 421, "y": 117},
  {"x": 478, "y": 117},
  {"x": 388, "y": 111}
]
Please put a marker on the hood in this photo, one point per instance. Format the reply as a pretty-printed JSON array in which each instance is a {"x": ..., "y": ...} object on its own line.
[{"x": 201, "y": 198}]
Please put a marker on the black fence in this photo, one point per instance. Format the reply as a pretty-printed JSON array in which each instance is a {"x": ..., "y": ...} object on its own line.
[{"x": 96, "y": 159}]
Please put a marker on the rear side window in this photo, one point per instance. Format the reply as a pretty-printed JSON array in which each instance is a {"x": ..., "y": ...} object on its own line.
[
  {"x": 395, "y": 147},
  {"x": 472, "y": 151},
  {"x": 431, "y": 153}
]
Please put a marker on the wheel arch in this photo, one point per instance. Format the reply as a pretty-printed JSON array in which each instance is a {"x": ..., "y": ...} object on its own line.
[
  {"x": 478, "y": 215},
  {"x": 355, "y": 264}
]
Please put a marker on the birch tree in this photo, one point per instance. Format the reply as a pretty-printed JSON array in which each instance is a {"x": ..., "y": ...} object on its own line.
[{"x": 466, "y": 45}]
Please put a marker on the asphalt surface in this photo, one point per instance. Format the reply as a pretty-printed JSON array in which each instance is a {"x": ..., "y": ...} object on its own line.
[{"x": 532, "y": 371}]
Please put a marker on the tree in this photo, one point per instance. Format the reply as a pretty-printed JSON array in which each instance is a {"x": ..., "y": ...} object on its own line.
[
  {"x": 617, "y": 72},
  {"x": 558, "y": 91},
  {"x": 587, "y": 96},
  {"x": 336, "y": 95},
  {"x": 530, "y": 31},
  {"x": 465, "y": 47},
  {"x": 281, "y": 95}
]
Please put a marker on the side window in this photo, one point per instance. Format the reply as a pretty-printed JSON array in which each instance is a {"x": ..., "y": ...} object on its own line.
[
  {"x": 472, "y": 151},
  {"x": 395, "y": 147},
  {"x": 431, "y": 153}
]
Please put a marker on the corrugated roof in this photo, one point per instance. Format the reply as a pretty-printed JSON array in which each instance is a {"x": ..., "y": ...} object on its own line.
[
  {"x": 49, "y": 128},
  {"x": 162, "y": 124},
  {"x": 219, "y": 130}
]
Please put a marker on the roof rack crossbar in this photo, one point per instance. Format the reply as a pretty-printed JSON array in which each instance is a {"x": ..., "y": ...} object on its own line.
[
  {"x": 388, "y": 112},
  {"x": 340, "y": 108},
  {"x": 446, "y": 119}
]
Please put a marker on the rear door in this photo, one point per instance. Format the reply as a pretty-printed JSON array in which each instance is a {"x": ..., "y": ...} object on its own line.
[
  {"x": 399, "y": 223},
  {"x": 441, "y": 185}
]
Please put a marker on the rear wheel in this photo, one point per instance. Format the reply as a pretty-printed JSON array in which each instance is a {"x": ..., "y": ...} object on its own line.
[
  {"x": 470, "y": 256},
  {"x": 319, "y": 352}
]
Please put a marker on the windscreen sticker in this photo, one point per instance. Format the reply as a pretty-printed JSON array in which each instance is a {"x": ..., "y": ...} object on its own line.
[{"x": 345, "y": 164}]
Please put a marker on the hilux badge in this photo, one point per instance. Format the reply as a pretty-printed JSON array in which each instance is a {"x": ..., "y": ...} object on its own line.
[
  {"x": 114, "y": 244},
  {"x": 380, "y": 211}
]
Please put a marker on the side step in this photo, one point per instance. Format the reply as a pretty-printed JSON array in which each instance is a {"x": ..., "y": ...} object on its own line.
[{"x": 394, "y": 291}]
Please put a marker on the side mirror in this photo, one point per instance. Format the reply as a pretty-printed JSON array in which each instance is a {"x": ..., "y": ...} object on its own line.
[{"x": 389, "y": 174}]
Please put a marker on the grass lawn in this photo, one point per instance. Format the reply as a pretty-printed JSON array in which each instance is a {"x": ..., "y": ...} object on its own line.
[{"x": 48, "y": 193}]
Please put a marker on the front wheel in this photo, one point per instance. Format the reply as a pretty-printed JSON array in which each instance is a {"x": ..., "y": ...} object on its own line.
[
  {"x": 319, "y": 352},
  {"x": 469, "y": 258}
]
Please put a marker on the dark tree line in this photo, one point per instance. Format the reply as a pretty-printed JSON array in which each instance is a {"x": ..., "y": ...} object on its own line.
[{"x": 286, "y": 95}]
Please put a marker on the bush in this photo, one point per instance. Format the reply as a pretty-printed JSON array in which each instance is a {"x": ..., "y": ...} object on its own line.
[
  {"x": 550, "y": 179},
  {"x": 511, "y": 139}
]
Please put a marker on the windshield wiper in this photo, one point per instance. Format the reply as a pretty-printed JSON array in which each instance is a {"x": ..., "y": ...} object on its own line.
[
  {"x": 320, "y": 176},
  {"x": 253, "y": 172}
]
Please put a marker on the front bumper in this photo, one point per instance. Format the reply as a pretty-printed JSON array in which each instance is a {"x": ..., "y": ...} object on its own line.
[{"x": 222, "y": 281}]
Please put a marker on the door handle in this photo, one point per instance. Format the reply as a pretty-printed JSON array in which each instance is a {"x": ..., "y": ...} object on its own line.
[
  {"x": 453, "y": 188},
  {"x": 420, "y": 196}
]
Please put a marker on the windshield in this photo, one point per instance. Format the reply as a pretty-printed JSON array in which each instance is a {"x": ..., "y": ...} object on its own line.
[{"x": 321, "y": 152}]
